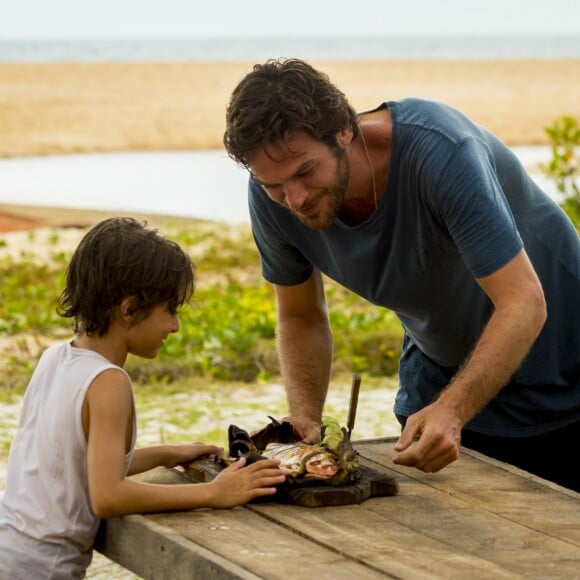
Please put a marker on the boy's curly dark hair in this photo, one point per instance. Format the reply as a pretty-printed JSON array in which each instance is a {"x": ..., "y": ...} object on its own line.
[
  {"x": 278, "y": 98},
  {"x": 121, "y": 258}
]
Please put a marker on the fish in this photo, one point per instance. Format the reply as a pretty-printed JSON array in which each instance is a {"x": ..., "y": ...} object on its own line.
[
  {"x": 303, "y": 460},
  {"x": 304, "y": 463}
]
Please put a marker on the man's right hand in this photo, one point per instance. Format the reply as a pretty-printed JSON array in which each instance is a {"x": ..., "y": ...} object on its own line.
[
  {"x": 431, "y": 439},
  {"x": 305, "y": 428}
]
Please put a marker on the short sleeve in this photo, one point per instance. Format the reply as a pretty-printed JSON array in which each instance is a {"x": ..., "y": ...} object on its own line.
[{"x": 468, "y": 199}]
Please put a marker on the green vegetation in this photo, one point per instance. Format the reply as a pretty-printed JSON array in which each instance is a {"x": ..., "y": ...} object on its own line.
[
  {"x": 564, "y": 167},
  {"x": 228, "y": 334}
]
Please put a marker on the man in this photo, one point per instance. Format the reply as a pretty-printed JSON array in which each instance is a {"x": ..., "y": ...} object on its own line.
[{"x": 419, "y": 210}]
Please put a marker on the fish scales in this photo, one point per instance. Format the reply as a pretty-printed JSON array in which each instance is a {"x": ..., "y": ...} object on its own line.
[{"x": 312, "y": 461}]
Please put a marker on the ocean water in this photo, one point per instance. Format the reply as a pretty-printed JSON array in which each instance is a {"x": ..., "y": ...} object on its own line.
[
  {"x": 340, "y": 48},
  {"x": 198, "y": 184}
]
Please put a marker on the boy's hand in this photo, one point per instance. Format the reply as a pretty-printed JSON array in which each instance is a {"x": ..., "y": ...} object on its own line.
[
  {"x": 186, "y": 452},
  {"x": 239, "y": 483}
]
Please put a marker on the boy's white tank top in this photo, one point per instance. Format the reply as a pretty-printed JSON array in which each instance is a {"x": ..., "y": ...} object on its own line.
[{"x": 46, "y": 496}]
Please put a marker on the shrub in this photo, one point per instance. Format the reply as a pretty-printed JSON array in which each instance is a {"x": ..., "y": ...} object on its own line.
[{"x": 564, "y": 167}]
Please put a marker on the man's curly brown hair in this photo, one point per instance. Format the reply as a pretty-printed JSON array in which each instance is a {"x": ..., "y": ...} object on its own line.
[{"x": 278, "y": 98}]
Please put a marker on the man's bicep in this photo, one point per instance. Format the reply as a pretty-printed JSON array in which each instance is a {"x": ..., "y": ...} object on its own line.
[
  {"x": 516, "y": 280},
  {"x": 303, "y": 300}
]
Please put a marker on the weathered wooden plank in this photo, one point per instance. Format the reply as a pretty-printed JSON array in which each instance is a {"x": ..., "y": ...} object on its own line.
[
  {"x": 466, "y": 529},
  {"x": 155, "y": 552},
  {"x": 269, "y": 549},
  {"x": 371, "y": 537},
  {"x": 499, "y": 488},
  {"x": 519, "y": 496},
  {"x": 512, "y": 530}
]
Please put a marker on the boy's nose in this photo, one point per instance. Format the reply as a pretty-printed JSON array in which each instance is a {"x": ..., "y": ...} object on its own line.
[{"x": 175, "y": 323}]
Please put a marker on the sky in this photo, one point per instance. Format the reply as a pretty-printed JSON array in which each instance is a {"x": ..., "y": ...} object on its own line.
[{"x": 262, "y": 18}]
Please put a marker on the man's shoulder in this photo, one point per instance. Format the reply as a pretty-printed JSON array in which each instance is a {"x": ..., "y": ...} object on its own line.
[
  {"x": 417, "y": 105},
  {"x": 433, "y": 122}
]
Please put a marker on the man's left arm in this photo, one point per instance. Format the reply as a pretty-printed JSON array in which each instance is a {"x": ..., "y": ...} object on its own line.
[{"x": 432, "y": 436}]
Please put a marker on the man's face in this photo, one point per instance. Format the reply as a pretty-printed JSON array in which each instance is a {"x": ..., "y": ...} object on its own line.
[{"x": 305, "y": 176}]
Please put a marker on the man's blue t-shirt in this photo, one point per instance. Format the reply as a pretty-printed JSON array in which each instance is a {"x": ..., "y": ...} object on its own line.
[{"x": 457, "y": 206}]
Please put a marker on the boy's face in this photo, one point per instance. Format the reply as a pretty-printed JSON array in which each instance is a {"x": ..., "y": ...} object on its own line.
[{"x": 146, "y": 337}]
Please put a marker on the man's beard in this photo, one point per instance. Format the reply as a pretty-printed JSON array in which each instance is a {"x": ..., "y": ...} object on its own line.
[{"x": 334, "y": 194}]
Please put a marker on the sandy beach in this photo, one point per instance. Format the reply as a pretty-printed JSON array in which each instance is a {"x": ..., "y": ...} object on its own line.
[{"x": 79, "y": 107}]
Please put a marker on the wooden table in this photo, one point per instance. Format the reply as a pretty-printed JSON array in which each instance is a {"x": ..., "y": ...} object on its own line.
[{"x": 478, "y": 518}]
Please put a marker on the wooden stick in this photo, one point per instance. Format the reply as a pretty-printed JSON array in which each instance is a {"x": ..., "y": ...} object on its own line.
[{"x": 356, "y": 379}]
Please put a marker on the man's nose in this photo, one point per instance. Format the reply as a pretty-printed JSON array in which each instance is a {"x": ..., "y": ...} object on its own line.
[{"x": 295, "y": 194}]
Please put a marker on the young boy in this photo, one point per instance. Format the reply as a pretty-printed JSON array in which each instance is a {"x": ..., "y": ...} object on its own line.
[{"x": 74, "y": 448}]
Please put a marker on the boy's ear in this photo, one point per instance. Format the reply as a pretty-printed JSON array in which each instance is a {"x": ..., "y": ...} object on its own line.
[{"x": 127, "y": 311}]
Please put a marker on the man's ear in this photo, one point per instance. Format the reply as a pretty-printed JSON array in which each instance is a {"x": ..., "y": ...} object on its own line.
[{"x": 344, "y": 136}]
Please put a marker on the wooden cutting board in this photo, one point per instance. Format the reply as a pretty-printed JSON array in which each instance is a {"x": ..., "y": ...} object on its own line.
[{"x": 371, "y": 483}]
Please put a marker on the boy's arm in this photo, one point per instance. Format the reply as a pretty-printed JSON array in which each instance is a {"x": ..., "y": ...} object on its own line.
[
  {"x": 109, "y": 411},
  {"x": 169, "y": 455}
]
